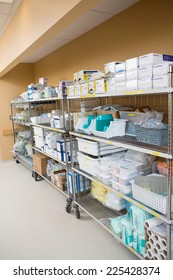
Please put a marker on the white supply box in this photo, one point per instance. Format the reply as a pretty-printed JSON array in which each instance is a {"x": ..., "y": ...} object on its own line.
[
  {"x": 111, "y": 85},
  {"x": 120, "y": 67},
  {"x": 39, "y": 142},
  {"x": 145, "y": 72},
  {"x": 100, "y": 86},
  {"x": 161, "y": 69},
  {"x": 120, "y": 86},
  {"x": 75, "y": 76},
  {"x": 84, "y": 88},
  {"x": 91, "y": 87},
  {"x": 43, "y": 81},
  {"x": 85, "y": 75},
  {"x": 110, "y": 68},
  {"x": 77, "y": 90},
  {"x": 120, "y": 77},
  {"x": 38, "y": 131},
  {"x": 88, "y": 164},
  {"x": 132, "y": 85},
  {"x": 132, "y": 63},
  {"x": 145, "y": 83},
  {"x": 132, "y": 74},
  {"x": 161, "y": 82},
  {"x": 70, "y": 90},
  {"x": 153, "y": 59}
]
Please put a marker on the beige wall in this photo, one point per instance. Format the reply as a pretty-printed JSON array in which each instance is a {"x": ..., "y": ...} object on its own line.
[
  {"x": 143, "y": 28},
  {"x": 11, "y": 86}
]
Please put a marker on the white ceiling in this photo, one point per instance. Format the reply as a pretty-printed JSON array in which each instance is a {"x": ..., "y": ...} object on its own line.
[
  {"x": 7, "y": 11},
  {"x": 92, "y": 18}
]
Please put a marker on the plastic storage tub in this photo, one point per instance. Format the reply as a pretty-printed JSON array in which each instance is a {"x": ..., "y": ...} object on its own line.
[
  {"x": 88, "y": 164},
  {"x": 105, "y": 179},
  {"x": 151, "y": 191},
  {"x": 116, "y": 128},
  {"x": 92, "y": 147}
]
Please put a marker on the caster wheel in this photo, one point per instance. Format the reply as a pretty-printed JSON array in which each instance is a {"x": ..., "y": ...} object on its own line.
[
  {"x": 17, "y": 161},
  {"x": 77, "y": 214},
  {"x": 68, "y": 208},
  {"x": 35, "y": 176}
]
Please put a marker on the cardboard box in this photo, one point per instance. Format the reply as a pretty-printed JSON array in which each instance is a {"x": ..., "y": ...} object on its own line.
[
  {"x": 120, "y": 77},
  {"x": 84, "y": 88},
  {"x": 120, "y": 86},
  {"x": 40, "y": 163},
  {"x": 161, "y": 69},
  {"x": 132, "y": 85},
  {"x": 91, "y": 87},
  {"x": 132, "y": 74},
  {"x": 111, "y": 85},
  {"x": 115, "y": 114},
  {"x": 43, "y": 81},
  {"x": 161, "y": 82},
  {"x": 132, "y": 63},
  {"x": 77, "y": 89},
  {"x": 153, "y": 59},
  {"x": 59, "y": 178},
  {"x": 100, "y": 86},
  {"x": 120, "y": 67},
  {"x": 145, "y": 83},
  {"x": 70, "y": 90},
  {"x": 145, "y": 72},
  {"x": 85, "y": 75},
  {"x": 110, "y": 68}
]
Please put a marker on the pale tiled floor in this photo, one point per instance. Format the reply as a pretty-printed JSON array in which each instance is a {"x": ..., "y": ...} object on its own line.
[{"x": 34, "y": 224}]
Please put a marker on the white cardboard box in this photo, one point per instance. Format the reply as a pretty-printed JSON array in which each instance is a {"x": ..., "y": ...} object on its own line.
[
  {"x": 43, "y": 81},
  {"x": 132, "y": 63},
  {"x": 121, "y": 67},
  {"x": 132, "y": 74},
  {"x": 132, "y": 84},
  {"x": 100, "y": 86},
  {"x": 161, "y": 69},
  {"x": 161, "y": 82},
  {"x": 85, "y": 75},
  {"x": 120, "y": 77},
  {"x": 153, "y": 59},
  {"x": 145, "y": 72},
  {"x": 75, "y": 76},
  {"x": 111, "y": 85},
  {"x": 70, "y": 90},
  {"x": 120, "y": 86},
  {"x": 110, "y": 68},
  {"x": 145, "y": 83},
  {"x": 91, "y": 87},
  {"x": 84, "y": 88},
  {"x": 77, "y": 89}
]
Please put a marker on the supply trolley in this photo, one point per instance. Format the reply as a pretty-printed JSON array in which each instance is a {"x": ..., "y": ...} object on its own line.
[
  {"x": 39, "y": 128},
  {"x": 157, "y": 207}
]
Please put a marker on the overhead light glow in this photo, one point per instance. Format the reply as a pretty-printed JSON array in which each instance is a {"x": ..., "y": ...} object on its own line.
[{"x": 6, "y": 1}]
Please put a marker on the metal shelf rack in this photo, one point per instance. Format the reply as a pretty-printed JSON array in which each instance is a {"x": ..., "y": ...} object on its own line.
[
  {"x": 131, "y": 143},
  {"x": 29, "y": 104}
]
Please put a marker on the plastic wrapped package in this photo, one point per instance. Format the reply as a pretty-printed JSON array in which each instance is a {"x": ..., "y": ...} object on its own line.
[
  {"x": 114, "y": 202},
  {"x": 19, "y": 147},
  {"x": 29, "y": 151},
  {"x": 99, "y": 192}
]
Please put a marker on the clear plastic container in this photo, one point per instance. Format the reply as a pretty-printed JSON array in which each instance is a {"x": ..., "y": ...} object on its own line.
[{"x": 105, "y": 179}]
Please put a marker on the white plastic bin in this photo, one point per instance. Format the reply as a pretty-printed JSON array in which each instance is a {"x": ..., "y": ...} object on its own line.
[
  {"x": 116, "y": 128},
  {"x": 88, "y": 164},
  {"x": 92, "y": 147},
  {"x": 84, "y": 121}
]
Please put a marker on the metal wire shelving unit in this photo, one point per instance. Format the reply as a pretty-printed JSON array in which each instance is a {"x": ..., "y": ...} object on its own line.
[{"x": 131, "y": 143}]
